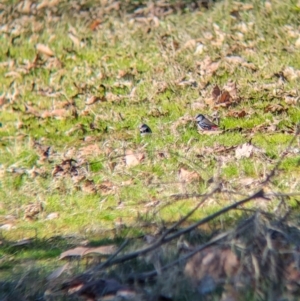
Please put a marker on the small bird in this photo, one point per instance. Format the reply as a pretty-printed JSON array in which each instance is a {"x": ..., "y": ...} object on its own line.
[
  {"x": 145, "y": 129},
  {"x": 204, "y": 124}
]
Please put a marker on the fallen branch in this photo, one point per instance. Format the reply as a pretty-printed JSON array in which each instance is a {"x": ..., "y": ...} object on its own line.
[{"x": 164, "y": 239}]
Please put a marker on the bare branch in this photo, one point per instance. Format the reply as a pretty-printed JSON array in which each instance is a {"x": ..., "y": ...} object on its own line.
[{"x": 164, "y": 239}]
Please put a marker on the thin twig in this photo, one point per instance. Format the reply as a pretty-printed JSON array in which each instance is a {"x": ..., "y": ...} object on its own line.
[
  {"x": 213, "y": 241},
  {"x": 158, "y": 243}
]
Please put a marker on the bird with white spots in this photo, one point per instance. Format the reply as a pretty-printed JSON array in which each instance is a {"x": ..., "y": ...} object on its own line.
[{"x": 205, "y": 124}]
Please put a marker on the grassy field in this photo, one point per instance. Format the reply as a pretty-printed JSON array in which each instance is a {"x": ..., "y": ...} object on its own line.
[{"x": 77, "y": 80}]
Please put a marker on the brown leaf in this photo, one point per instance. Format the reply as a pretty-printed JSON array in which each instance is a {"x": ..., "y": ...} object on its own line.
[
  {"x": 94, "y": 25},
  {"x": 208, "y": 67},
  {"x": 291, "y": 73},
  {"x": 188, "y": 176},
  {"x": 57, "y": 113},
  {"x": 244, "y": 151},
  {"x": 106, "y": 188},
  {"x": 88, "y": 186},
  {"x": 52, "y": 215},
  {"x": 44, "y": 49},
  {"x": 237, "y": 114},
  {"x": 231, "y": 88},
  {"x": 76, "y": 252},
  {"x": 275, "y": 108},
  {"x": 198, "y": 105},
  {"x": 291, "y": 100},
  {"x": 102, "y": 250},
  {"x": 89, "y": 150},
  {"x": 93, "y": 99},
  {"x": 220, "y": 97},
  {"x": 13, "y": 74},
  {"x": 81, "y": 251},
  {"x": 133, "y": 159},
  {"x": 32, "y": 210},
  {"x": 216, "y": 92}
]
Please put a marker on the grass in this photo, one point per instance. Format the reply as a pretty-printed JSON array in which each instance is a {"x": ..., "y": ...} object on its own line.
[{"x": 138, "y": 69}]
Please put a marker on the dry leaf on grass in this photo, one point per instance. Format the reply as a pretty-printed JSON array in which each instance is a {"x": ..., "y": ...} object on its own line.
[
  {"x": 236, "y": 114},
  {"x": 237, "y": 60},
  {"x": 133, "y": 159},
  {"x": 57, "y": 113},
  {"x": 291, "y": 73},
  {"x": 275, "y": 108},
  {"x": 95, "y": 25},
  {"x": 208, "y": 67},
  {"x": 93, "y": 99},
  {"x": 225, "y": 97},
  {"x": 44, "y": 49},
  {"x": 88, "y": 186},
  {"x": 81, "y": 251},
  {"x": 291, "y": 99},
  {"x": 106, "y": 188},
  {"x": 244, "y": 151},
  {"x": 52, "y": 215},
  {"x": 32, "y": 210},
  {"x": 188, "y": 176}
]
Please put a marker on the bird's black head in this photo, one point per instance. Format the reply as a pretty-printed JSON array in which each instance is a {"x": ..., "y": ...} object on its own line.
[
  {"x": 199, "y": 117},
  {"x": 145, "y": 129}
]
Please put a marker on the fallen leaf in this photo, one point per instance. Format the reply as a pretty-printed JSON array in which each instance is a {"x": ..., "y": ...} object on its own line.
[
  {"x": 76, "y": 252},
  {"x": 102, "y": 250},
  {"x": 223, "y": 98},
  {"x": 81, "y": 251},
  {"x": 207, "y": 66},
  {"x": 76, "y": 41},
  {"x": 291, "y": 99},
  {"x": 52, "y": 215},
  {"x": 57, "y": 113},
  {"x": 291, "y": 73},
  {"x": 244, "y": 151},
  {"x": 44, "y": 49},
  {"x": 32, "y": 210},
  {"x": 89, "y": 150},
  {"x": 13, "y": 74},
  {"x": 7, "y": 227},
  {"x": 188, "y": 176},
  {"x": 95, "y": 25},
  {"x": 106, "y": 188},
  {"x": 88, "y": 186},
  {"x": 93, "y": 99},
  {"x": 237, "y": 114},
  {"x": 133, "y": 159},
  {"x": 275, "y": 108}
]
